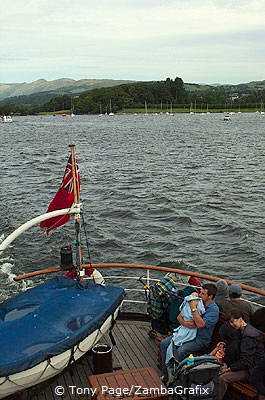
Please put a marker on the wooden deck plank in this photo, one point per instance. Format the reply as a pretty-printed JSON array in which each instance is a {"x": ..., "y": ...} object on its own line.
[
  {"x": 145, "y": 345},
  {"x": 124, "y": 344},
  {"x": 83, "y": 369},
  {"x": 134, "y": 353},
  {"x": 142, "y": 351},
  {"x": 134, "y": 349}
]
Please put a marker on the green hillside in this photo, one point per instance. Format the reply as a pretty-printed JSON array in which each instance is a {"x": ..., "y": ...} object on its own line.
[{"x": 158, "y": 95}]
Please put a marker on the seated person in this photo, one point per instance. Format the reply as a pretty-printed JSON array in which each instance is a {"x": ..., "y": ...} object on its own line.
[
  {"x": 205, "y": 325},
  {"x": 176, "y": 301},
  {"x": 222, "y": 292},
  {"x": 232, "y": 338},
  {"x": 258, "y": 319},
  {"x": 251, "y": 351},
  {"x": 182, "y": 333},
  {"x": 257, "y": 377},
  {"x": 235, "y": 302}
]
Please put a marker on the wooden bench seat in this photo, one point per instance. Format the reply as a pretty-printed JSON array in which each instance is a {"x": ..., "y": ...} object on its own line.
[{"x": 239, "y": 390}]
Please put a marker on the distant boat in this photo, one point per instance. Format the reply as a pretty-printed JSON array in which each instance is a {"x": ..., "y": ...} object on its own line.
[
  {"x": 100, "y": 110},
  {"x": 6, "y": 118},
  {"x": 145, "y": 107},
  {"x": 171, "y": 112},
  {"x": 227, "y": 117},
  {"x": 110, "y": 109},
  {"x": 72, "y": 108}
]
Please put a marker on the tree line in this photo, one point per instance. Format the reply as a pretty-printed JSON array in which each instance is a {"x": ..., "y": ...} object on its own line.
[{"x": 161, "y": 95}]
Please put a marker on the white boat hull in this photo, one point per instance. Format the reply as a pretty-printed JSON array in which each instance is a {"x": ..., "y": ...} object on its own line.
[
  {"x": 6, "y": 119},
  {"x": 49, "y": 368}
]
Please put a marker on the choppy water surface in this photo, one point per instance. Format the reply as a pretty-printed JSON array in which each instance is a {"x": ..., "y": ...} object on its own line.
[{"x": 155, "y": 189}]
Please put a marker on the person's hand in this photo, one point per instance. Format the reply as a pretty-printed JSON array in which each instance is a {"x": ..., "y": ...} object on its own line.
[{"x": 224, "y": 369}]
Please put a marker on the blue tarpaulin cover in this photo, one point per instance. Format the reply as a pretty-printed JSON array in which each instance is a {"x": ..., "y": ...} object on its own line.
[{"x": 50, "y": 318}]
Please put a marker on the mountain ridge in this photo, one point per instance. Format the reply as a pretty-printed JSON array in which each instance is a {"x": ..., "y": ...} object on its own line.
[
  {"x": 42, "y": 90},
  {"x": 8, "y": 90}
]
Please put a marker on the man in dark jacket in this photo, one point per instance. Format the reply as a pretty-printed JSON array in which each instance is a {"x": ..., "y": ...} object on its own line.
[
  {"x": 236, "y": 302},
  {"x": 251, "y": 351},
  {"x": 257, "y": 377}
]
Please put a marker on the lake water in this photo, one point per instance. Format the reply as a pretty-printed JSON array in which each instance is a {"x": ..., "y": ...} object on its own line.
[{"x": 155, "y": 189}]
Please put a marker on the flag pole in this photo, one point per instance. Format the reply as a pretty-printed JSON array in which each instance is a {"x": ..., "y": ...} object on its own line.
[{"x": 77, "y": 216}]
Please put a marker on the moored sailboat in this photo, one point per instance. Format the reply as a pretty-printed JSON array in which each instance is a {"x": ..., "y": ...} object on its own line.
[
  {"x": 6, "y": 118},
  {"x": 72, "y": 108},
  {"x": 110, "y": 108},
  {"x": 145, "y": 108}
]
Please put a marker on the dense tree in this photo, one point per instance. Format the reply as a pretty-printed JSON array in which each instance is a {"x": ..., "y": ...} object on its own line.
[
  {"x": 158, "y": 95},
  {"x": 132, "y": 95}
]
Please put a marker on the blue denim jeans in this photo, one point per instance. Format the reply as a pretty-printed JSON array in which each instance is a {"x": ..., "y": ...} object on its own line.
[
  {"x": 180, "y": 352},
  {"x": 163, "y": 348}
]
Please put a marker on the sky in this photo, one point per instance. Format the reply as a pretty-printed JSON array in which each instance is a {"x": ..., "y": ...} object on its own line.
[{"x": 201, "y": 41}]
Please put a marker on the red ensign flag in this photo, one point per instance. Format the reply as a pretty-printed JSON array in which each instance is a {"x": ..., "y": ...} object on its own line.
[{"x": 64, "y": 198}]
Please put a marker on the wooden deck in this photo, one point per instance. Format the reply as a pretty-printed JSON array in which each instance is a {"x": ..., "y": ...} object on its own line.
[{"x": 134, "y": 349}]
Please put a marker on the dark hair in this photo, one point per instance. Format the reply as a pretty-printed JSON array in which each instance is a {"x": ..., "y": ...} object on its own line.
[
  {"x": 258, "y": 319},
  {"x": 234, "y": 295},
  {"x": 236, "y": 314},
  {"x": 211, "y": 289}
]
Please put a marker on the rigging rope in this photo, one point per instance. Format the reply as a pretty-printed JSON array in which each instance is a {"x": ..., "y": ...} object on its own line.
[{"x": 87, "y": 243}]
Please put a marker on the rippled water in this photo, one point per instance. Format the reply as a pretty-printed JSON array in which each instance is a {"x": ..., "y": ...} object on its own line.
[{"x": 155, "y": 189}]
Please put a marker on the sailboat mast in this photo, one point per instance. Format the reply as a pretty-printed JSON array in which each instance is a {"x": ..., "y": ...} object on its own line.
[
  {"x": 145, "y": 107},
  {"x": 76, "y": 201}
]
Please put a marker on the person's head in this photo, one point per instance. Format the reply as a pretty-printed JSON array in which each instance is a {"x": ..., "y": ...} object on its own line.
[
  {"x": 193, "y": 281},
  {"x": 237, "y": 319},
  {"x": 235, "y": 291},
  {"x": 258, "y": 319},
  {"x": 208, "y": 292},
  {"x": 222, "y": 290}
]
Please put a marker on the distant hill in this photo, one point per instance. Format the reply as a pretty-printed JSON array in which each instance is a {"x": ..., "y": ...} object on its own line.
[
  {"x": 241, "y": 87},
  {"x": 40, "y": 92},
  {"x": 55, "y": 87}
]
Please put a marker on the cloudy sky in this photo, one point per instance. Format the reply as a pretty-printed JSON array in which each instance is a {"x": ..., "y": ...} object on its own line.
[{"x": 203, "y": 41}]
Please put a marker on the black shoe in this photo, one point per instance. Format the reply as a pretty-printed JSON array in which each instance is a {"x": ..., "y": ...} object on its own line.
[{"x": 152, "y": 334}]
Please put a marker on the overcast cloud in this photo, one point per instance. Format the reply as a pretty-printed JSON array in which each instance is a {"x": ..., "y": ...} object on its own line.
[{"x": 199, "y": 40}]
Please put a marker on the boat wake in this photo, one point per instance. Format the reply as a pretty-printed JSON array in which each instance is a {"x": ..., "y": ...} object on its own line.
[
  {"x": 7, "y": 277},
  {"x": 6, "y": 268}
]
